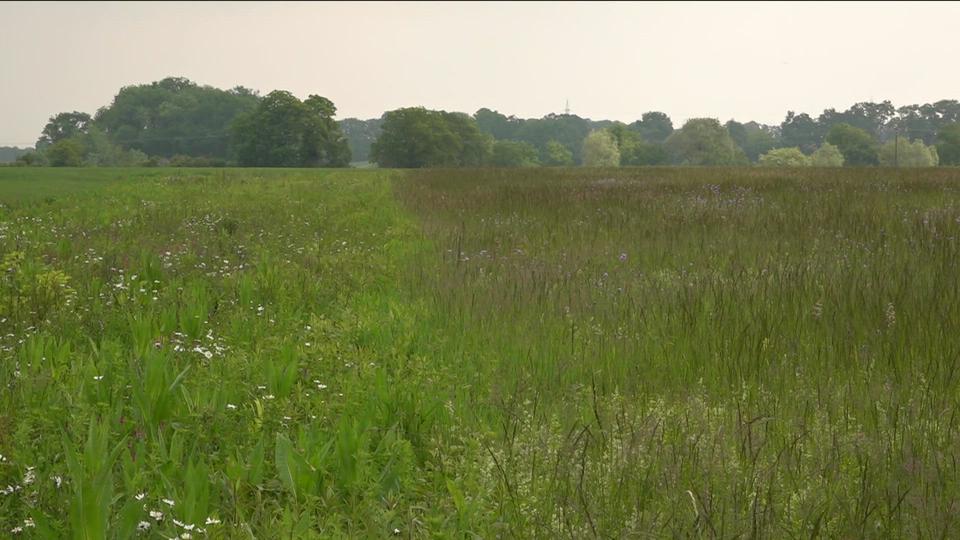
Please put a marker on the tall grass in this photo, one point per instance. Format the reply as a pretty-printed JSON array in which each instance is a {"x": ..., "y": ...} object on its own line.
[
  {"x": 716, "y": 352},
  {"x": 479, "y": 353}
]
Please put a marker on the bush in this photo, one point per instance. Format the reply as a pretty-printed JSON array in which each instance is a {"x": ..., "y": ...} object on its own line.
[
  {"x": 703, "y": 141},
  {"x": 906, "y": 153},
  {"x": 827, "y": 155},
  {"x": 600, "y": 150},
  {"x": 785, "y": 157}
]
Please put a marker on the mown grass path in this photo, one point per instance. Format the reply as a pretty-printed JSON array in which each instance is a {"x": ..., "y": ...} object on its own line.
[{"x": 208, "y": 352}]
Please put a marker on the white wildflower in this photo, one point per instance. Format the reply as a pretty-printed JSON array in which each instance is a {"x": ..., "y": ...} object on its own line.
[
  {"x": 212, "y": 521},
  {"x": 168, "y": 501},
  {"x": 143, "y": 526},
  {"x": 156, "y": 514}
]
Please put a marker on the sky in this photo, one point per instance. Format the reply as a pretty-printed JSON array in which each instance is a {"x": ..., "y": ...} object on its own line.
[{"x": 748, "y": 61}]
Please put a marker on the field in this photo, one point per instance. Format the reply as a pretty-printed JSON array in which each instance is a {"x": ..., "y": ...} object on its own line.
[{"x": 549, "y": 353}]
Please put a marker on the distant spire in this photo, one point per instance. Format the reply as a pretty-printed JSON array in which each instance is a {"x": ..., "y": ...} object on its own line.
[{"x": 566, "y": 109}]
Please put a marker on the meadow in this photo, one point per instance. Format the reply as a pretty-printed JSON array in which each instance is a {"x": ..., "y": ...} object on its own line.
[{"x": 487, "y": 353}]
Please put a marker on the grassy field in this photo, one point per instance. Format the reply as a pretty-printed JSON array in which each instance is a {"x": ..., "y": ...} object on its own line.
[{"x": 546, "y": 353}]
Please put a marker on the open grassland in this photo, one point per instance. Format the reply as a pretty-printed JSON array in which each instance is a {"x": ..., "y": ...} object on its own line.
[{"x": 545, "y": 353}]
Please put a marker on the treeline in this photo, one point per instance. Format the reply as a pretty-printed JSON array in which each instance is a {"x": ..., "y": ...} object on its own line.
[
  {"x": 865, "y": 134},
  {"x": 178, "y": 122}
]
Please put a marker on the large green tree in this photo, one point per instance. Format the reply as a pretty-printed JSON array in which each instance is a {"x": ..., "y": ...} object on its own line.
[
  {"x": 496, "y": 124},
  {"x": 868, "y": 116},
  {"x": 802, "y": 131},
  {"x": 418, "y": 137},
  {"x": 175, "y": 116},
  {"x": 514, "y": 154},
  {"x": 634, "y": 150},
  {"x": 704, "y": 141},
  {"x": 755, "y": 139},
  {"x": 283, "y": 131},
  {"x": 653, "y": 127},
  {"x": 948, "y": 144},
  {"x": 63, "y": 126},
  {"x": 858, "y": 147},
  {"x": 556, "y": 155},
  {"x": 925, "y": 121}
]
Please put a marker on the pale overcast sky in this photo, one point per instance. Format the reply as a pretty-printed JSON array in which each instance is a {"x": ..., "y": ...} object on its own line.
[{"x": 748, "y": 61}]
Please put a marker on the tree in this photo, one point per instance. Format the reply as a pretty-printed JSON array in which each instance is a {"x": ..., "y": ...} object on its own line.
[
  {"x": 755, "y": 139},
  {"x": 827, "y": 155},
  {"x": 497, "y": 125},
  {"x": 801, "y": 131},
  {"x": 283, "y": 131},
  {"x": 856, "y": 145},
  {"x": 600, "y": 149},
  {"x": 785, "y": 157},
  {"x": 65, "y": 153},
  {"x": 644, "y": 153},
  {"x": 98, "y": 151},
  {"x": 418, "y": 137},
  {"x": 557, "y": 155},
  {"x": 63, "y": 126},
  {"x": 360, "y": 135},
  {"x": 653, "y": 127},
  {"x": 703, "y": 141},
  {"x": 475, "y": 146},
  {"x": 323, "y": 143},
  {"x": 175, "y": 116},
  {"x": 634, "y": 151},
  {"x": 868, "y": 116},
  {"x": 948, "y": 144},
  {"x": 567, "y": 129},
  {"x": 514, "y": 154},
  {"x": 902, "y": 152}
]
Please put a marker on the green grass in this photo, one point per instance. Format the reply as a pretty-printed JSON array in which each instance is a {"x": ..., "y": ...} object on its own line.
[{"x": 540, "y": 353}]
